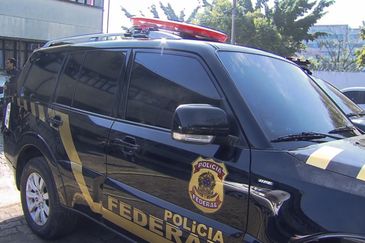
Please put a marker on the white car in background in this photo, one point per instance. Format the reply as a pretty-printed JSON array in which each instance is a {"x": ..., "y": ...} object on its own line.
[{"x": 356, "y": 94}]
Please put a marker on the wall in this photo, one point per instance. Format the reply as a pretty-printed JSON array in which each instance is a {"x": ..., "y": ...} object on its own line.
[
  {"x": 47, "y": 19},
  {"x": 342, "y": 79}
]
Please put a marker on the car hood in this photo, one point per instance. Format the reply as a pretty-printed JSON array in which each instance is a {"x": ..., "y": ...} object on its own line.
[{"x": 345, "y": 156}]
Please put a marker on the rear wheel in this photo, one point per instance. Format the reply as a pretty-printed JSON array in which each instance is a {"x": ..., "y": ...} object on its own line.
[
  {"x": 37, "y": 199},
  {"x": 42, "y": 210}
]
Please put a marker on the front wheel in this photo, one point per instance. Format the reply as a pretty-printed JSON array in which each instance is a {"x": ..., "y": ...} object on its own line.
[{"x": 42, "y": 210}]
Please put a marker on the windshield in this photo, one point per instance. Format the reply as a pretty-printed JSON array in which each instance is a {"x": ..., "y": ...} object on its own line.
[
  {"x": 345, "y": 104},
  {"x": 282, "y": 98}
]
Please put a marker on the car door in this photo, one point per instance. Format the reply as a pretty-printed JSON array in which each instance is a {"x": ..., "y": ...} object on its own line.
[
  {"x": 82, "y": 114},
  {"x": 163, "y": 190}
]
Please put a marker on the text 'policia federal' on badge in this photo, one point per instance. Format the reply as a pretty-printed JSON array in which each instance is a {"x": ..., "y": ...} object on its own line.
[{"x": 206, "y": 184}]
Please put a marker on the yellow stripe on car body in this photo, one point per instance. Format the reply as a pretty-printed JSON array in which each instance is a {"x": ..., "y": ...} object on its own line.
[{"x": 323, "y": 156}]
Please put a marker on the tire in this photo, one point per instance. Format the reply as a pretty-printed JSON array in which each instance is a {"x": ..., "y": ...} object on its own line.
[{"x": 42, "y": 210}]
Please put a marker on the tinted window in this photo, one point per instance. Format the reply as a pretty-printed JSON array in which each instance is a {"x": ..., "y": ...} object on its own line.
[
  {"x": 98, "y": 81},
  {"x": 345, "y": 104},
  {"x": 356, "y": 96},
  {"x": 283, "y": 99},
  {"x": 42, "y": 77},
  {"x": 66, "y": 86},
  {"x": 160, "y": 83},
  {"x": 22, "y": 77}
]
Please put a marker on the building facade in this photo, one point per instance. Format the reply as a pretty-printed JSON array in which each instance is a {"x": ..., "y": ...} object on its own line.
[
  {"x": 27, "y": 24},
  {"x": 335, "y": 36},
  {"x": 334, "y": 49}
]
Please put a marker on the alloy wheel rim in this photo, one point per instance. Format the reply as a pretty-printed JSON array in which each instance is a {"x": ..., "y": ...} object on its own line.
[{"x": 37, "y": 199}]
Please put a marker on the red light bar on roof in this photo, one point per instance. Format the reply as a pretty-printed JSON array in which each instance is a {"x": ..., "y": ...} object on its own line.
[{"x": 190, "y": 29}]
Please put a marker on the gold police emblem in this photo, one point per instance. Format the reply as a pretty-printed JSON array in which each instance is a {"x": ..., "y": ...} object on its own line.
[{"x": 206, "y": 184}]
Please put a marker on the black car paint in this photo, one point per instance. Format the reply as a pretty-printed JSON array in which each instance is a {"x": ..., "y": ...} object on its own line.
[{"x": 270, "y": 195}]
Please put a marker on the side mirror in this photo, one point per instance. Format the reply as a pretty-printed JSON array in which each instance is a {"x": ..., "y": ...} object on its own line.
[{"x": 199, "y": 123}]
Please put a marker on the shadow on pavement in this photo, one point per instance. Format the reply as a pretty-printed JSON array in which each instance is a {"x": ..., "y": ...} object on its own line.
[{"x": 16, "y": 230}]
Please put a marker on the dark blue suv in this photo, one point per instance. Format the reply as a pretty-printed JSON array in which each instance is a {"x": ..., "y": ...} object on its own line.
[{"x": 183, "y": 141}]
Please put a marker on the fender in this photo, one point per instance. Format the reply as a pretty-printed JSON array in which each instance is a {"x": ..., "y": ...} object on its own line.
[{"x": 31, "y": 144}]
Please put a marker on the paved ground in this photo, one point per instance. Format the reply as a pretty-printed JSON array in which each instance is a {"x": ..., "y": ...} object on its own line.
[{"x": 13, "y": 227}]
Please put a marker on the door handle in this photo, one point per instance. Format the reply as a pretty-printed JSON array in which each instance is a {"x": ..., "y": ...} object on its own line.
[
  {"x": 55, "y": 121},
  {"x": 128, "y": 144}
]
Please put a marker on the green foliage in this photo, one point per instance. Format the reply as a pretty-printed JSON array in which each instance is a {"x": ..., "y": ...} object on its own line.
[
  {"x": 337, "y": 52},
  {"x": 154, "y": 12},
  {"x": 169, "y": 12},
  {"x": 339, "y": 56},
  {"x": 361, "y": 53},
  {"x": 280, "y": 29},
  {"x": 127, "y": 13}
]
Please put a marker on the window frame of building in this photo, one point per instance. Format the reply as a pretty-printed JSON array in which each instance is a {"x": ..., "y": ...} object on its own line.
[
  {"x": 89, "y": 3},
  {"x": 19, "y": 49}
]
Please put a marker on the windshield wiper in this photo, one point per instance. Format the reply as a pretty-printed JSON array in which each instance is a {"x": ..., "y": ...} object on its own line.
[
  {"x": 352, "y": 114},
  {"x": 342, "y": 129},
  {"x": 303, "y": 136},
  {"x": 362, "y": 113}
]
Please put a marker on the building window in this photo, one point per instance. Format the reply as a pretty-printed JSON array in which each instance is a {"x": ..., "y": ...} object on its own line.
[
  {"x": 20, "y": 50},
  {"x": 94, "y": 3}
]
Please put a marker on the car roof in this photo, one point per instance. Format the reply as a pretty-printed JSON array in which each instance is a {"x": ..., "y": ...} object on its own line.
[{"x": 183, "y": 45}]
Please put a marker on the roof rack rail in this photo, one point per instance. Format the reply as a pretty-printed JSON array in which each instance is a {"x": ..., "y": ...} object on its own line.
[
  {"x": 149, "y": 28},
  {"x": 133, "y": 33},
  {"x": 84, "y": 38}
]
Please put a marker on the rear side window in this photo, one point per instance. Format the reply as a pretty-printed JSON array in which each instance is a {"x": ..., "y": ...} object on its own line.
[
  {"x": 97, "y": 84},
  {"x": 42, "y": 77},
  {"x": 160, "y": 83},
  {"x": 22, "y": 76},
  {"x": 68, "y": 78}
]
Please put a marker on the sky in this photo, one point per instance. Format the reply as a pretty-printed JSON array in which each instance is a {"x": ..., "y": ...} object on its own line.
[{"x": 351, "y": 12}]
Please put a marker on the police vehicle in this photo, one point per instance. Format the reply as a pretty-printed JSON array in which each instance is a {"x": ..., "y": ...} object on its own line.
[{"x": 175, "y": 140}]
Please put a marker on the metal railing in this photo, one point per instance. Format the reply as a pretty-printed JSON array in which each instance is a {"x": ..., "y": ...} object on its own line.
[{"x": 133, "y": 33}]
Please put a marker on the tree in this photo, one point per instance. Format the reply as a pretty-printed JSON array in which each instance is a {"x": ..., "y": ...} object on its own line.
[
  {"x": 280, "y": 29},
  {"x": 169, "y": 12},
  {"x": 337, "y": 55},
  {"x": 361, "y": 53}
]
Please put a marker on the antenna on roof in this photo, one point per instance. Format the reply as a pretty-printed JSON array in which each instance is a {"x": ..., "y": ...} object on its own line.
[{"x": 303, "y": 64}]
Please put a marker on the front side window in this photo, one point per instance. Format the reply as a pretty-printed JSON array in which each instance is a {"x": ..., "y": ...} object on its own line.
[
  {"x": 345, "y": 104},
  {"x": 98, "y": 81},
  {"x": 162, "y": 82},
  {"x": 42, "y": 77},
  {"x": 282, "y": 98}
]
